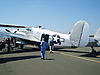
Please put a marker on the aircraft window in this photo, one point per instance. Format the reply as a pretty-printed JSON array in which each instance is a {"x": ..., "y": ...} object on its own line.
[{"x": 29, "y": 29}]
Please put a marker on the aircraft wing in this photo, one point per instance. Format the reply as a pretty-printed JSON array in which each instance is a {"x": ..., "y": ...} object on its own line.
[
  {"x": 26, "y": 40},
  {"x": 22, "y": 37},
  {"x": 14, "y": 26}
]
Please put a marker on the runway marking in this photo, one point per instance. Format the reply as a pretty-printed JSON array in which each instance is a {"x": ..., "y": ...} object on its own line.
[{"x": 80, "y": 57}]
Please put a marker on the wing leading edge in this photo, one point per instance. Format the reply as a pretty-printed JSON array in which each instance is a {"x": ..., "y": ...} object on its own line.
[{"x": 14, "y": 26}]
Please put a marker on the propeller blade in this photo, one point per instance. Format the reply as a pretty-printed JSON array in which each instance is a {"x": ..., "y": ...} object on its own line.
[
  {"x": 16, "y": 30},
  {"x": 7, "y": 30}
]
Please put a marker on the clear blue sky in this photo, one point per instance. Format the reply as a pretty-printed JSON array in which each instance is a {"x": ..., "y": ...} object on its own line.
[{"x": 57, "y": 15}]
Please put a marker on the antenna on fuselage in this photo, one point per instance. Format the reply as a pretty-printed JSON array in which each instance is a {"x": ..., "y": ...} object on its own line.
[{"x": 40, "y": 26}]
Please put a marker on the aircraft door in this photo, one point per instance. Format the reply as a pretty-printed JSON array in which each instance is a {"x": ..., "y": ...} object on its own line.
[{"x": 45, "y": 36}]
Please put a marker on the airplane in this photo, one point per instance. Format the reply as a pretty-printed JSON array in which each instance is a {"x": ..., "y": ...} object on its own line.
[
  {"x": 31, "y": 35},
  {"x": 95, "y": 39}
]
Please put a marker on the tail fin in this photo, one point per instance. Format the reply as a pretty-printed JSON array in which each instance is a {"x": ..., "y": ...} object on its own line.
[{"x": 79, "y": 36}]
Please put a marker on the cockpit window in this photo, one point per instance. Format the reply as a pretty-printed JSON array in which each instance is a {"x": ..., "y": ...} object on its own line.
[{"x": 28, "y": 29}]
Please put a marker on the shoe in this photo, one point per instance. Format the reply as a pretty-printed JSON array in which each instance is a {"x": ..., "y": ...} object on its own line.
[
  {"x": 51, "y": 52},
  {"x": 42, "y": 58}
]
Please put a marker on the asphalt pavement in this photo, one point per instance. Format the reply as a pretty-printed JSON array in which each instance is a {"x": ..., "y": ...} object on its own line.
[{"x": 66, "y": 61}]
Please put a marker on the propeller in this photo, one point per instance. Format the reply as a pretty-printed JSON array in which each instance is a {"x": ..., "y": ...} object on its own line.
[
  {"x": 16, "y": 31},
  {"x": 10, "y": 31}
]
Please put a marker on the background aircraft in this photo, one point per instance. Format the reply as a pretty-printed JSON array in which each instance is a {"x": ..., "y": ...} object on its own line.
[
  {"x": 97, "y": 36},
  {"x": 94, "y": 40},
  {"x": 30, "y": 35}
]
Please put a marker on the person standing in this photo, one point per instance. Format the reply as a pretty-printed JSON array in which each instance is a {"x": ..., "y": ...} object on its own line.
[
  {"x": 8, "y": 46},
  {"x": 51, "y": 45},
  {"x": 11, "y": 43},
  {"x": 43, "y": 47},
  {"x": 93, "y": 52}
]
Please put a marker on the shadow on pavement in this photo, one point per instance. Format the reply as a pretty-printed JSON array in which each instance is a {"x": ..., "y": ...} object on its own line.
[
  {"x": 49, "y": 59},
  {"x": 70, "y": 51},
  {"x": 87, "y": 54},
  {"x": 91, "y": 55},
  {"x": 21, "y": 51},
  {"x": 9, "y": 59}
]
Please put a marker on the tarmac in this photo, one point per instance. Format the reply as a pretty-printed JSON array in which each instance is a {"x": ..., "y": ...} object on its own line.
[{"x": 65, "y": 61}]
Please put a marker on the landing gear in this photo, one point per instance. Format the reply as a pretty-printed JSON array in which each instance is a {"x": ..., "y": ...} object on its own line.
[
  {"x": 93, "y": 52},
  {"x": 21, "y": 46}
]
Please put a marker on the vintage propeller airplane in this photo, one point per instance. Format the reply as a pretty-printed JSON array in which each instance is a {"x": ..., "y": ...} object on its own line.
[
  {"x": 30, "y": 35},
  {"x": 96, "y": 37}
]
